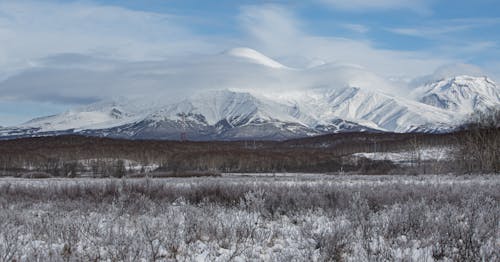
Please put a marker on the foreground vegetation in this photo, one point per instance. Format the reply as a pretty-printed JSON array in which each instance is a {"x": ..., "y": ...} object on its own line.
[
  {"x": 198, "y": 212},
  {"x": 241, "y": 218}
]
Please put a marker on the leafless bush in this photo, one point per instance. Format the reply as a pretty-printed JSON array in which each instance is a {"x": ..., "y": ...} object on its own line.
[
  {"x": 370, "y": 218},
  {"x": 11, "y": 242}
]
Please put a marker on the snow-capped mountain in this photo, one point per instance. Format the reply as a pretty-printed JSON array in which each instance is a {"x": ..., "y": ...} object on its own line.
[
  {"x": 464, "y": 94},
  {"x": 279, "y": 103}
]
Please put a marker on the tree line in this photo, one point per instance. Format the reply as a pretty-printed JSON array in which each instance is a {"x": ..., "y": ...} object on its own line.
[{"x": 477, "y": 146}]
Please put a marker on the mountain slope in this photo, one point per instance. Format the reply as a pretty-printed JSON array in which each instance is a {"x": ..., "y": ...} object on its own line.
[
  {"x": 282, "y": 103},
  {"x": 226, "y": 115},
  {"x": 229, "y": 115},
  {"x": 376, "y": 110},
  {"x": 464, "y": 94}
]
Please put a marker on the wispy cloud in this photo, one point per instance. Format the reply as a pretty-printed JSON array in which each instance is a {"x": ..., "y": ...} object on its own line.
[
  {"x": 273, "y": 29},
  {"x": 439, "y": 28},
  {"x": 358, "y": 28},
  {"x": 455, "y": 38},
  {"x": 83, "y": 52},
  {"x": 418, "y": 6},
  {"x": 34, "y": 29},
  {"x": 429, "y": 31},
  {"x": 78, "y": 61},
  {"x": 448, "y": 70}
]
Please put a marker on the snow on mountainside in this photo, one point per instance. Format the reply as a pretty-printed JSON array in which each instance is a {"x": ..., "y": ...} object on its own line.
[
  {"x": 235, "y": 107},
  {"x": 236, "y": 115},
  {"x": 464, "y": 94},
  {"x": 95, "y": 116},
  {"x": 376, "y": 110},
  {"x": 277, "y": 103}
]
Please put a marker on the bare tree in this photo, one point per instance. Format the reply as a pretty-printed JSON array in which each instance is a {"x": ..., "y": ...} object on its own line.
[
  {"x": 479, "y": 144},
  {"x": 416, "y": 153}
]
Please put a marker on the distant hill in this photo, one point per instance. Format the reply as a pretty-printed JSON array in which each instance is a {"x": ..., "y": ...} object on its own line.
[{"x": 322, "y": 99}]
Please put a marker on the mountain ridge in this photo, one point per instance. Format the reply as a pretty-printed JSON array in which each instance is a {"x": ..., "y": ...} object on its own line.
[{"x": 358, "y": 101}]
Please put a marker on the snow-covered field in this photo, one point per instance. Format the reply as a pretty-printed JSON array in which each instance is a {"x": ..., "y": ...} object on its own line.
[
  {"x": 408, "y": 157},
  {"x": 252, "y": 217}
]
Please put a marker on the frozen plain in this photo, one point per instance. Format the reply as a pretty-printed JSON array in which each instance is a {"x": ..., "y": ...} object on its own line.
[{"x": 252, "y": 217}]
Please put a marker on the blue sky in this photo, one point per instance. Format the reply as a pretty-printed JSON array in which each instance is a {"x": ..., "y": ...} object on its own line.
[{"x": 401, "y": 39}]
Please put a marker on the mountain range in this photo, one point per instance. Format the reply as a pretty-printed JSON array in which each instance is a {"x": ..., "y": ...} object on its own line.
[{"x": 323, "y": 98}]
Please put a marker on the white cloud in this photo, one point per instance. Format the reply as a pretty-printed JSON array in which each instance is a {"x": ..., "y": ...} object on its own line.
[
  {"x": 419, "y": 6},
  {"x": 27, "y": 34},
  {"x": 77, "y": 79},
  {"x": 82, "y": 53},
  {"x": 33, "y": 29},
  {"x": 457, "y": 69},
  {"x": 440, "y": 28},
  {"x": 449, "y": 70},
  {"x": 275, "y": 30},
  {"x": 429, "y": 32},
  {"x": 270, "y": 26},
  {"x": 456, "y": 38}
]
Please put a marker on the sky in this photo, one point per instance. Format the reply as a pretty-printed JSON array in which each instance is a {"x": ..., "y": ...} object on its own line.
[{"x": 58, "y": 54}]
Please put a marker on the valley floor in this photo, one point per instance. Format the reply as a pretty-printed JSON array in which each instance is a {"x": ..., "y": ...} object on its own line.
[{"x": 252, "y": 217}]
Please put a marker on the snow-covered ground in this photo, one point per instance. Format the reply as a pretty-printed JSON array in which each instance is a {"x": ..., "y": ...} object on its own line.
[
  {"x": 252, "y": 217},
  {"x": 406, "y": 157}
]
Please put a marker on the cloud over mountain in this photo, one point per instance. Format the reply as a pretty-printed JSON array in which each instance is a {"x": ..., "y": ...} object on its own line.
[{"x": 65, "y": 53}]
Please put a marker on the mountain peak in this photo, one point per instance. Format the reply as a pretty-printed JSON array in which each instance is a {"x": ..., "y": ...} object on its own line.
[
  {"x": 462, "y": 93},
  {"x": 254, "y": 56},
  {"x": 231, "y": 114}
]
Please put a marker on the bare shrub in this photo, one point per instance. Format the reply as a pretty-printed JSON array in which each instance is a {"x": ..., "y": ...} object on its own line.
[
  {"x": 353, "y": 218},
  {"x": 11, "y": 242}
]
